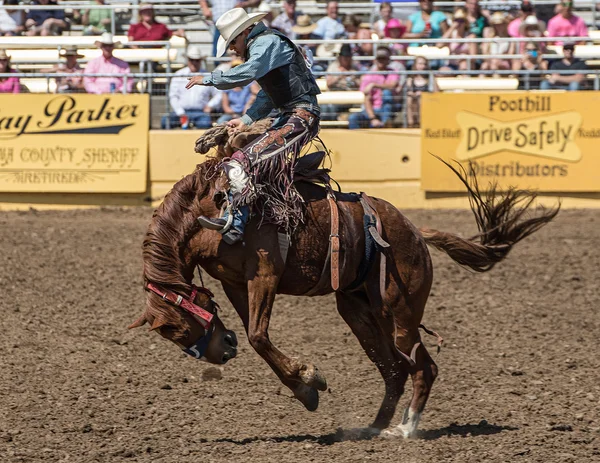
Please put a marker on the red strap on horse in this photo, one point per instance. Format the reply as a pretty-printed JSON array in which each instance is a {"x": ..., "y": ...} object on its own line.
[{"x": 205, "y": 317}]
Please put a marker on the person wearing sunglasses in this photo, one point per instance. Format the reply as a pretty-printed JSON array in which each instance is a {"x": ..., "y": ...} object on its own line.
[
  {"x": 571, "y": 82},
  {"x": 566, "y": 24}
]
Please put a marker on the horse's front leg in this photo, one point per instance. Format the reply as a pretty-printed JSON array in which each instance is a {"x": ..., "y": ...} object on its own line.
[{"x": 291, "y": 373}]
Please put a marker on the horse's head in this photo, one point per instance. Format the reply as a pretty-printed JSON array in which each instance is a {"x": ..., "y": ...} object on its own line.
[{"x": 191, "y": 322}]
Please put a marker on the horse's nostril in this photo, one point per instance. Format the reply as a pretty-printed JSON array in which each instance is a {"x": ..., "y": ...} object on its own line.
[{"x": 230, "y": 339}]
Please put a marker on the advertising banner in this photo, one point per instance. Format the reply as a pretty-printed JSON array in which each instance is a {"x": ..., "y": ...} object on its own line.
[
  {"x": 74, "y": 143},
  {"x": 547, "y": 141}
]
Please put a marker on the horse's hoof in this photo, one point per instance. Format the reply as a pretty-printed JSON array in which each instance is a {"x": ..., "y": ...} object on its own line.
[
  {"x": 311, "y": 376},
  {"x": 308, "y": 396}
]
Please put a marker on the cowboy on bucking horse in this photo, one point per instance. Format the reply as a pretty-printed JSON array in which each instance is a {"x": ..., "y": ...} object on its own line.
[{"x": 288, "y": 86}]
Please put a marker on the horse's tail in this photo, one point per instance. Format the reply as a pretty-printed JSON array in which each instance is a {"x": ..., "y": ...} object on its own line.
[{"x": 503, "y": 220}]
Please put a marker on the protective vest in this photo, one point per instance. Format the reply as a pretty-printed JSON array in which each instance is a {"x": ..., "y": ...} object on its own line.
[{"x": 289, "y": 82}]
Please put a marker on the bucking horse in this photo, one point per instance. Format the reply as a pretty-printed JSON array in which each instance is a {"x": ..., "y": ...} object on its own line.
[{"x": 363, "y": 249}]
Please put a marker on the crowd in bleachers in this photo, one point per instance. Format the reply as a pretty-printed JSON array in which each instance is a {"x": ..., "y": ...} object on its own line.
[{"x": 385, "y": 95}]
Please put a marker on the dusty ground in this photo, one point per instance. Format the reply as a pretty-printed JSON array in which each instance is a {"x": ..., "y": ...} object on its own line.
[{"x": 518, "y": 374}]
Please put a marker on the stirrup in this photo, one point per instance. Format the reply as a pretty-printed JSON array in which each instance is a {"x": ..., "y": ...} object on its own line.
[{"x": 208, "y": 223}]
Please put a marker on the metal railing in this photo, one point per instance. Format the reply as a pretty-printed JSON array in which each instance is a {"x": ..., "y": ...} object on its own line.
[{"x": 158, "y": 86}]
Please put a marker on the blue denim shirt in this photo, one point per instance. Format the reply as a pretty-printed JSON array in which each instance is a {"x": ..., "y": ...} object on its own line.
[{"x": 266, "y": 53}]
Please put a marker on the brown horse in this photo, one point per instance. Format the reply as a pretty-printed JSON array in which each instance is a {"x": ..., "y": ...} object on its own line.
[{"x": 385, "y": 318}]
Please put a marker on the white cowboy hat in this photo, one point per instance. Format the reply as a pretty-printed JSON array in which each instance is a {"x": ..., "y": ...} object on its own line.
[
  {"x": 107, "y": 39},
  {"x": 194, "y": 52},
  {"x": 534, "y": 23},
  {"x": 231, "y": 24}
]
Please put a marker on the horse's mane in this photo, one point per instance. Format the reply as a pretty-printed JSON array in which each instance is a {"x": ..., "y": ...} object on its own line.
[
  {"x": 169, "y": 230},
  {"x": 173, "y": 223}
]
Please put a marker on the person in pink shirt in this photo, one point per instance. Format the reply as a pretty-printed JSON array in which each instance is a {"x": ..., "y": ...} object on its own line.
[
  {"x": 8, "y": 84},
  {"x": 515, "y": 24},
  {"x": 379, "y": 94},
  {"x": 566, "y": 24},
  {"x": 106, "y": 64}
]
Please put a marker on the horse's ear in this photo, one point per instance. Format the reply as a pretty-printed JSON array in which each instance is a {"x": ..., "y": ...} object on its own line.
[
  {"x": 139, "y": 322},
  {"x": 157, "y": 323}
]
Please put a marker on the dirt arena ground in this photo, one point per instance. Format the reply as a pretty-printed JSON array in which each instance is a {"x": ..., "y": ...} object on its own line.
[{"x": 518, "y": 373}]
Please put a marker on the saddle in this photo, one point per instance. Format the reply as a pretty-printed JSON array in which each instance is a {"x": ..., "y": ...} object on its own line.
[{"x": 308, "y": 169}]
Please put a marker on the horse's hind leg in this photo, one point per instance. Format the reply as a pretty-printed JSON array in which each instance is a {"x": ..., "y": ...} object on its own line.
[
  {"x": 376, "y": 338},
  {"x": 423, "y": 376}
]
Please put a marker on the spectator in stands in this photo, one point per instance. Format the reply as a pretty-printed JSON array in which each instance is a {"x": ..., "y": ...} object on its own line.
[
  {"x": 416, "y": 85},
  {"x": 515, "y": 24},
  {"x": 426, "y": 23},
  {"x": 532, "y": 27},
  {"x": 96, "y": 21},
  {"x": 45, "y": 22},
  {"x": 8, "y": 84},
  {"x": 567, "y": 24},
  {"x": 70, "y": 84},
  {"x": 498, "y": 31},
  {"x": 460, "y": 30},
  {"x": 12, "y": 22},
  {"x": 286, "y": 21},
  {"x": 106, "y": 63},
  {"x": 351, "y": 23},
  {"x": 571, "y": 82},
  {"x": 531, "y": 61},
  {"x": 477, "y": 20},
  {"x": 363, "y": 49},
  {"x": 148, "y": 29},
  {"x": 266, "y": 8},
  {"x": 304, "y": 30},
  {"x": 216, "y": 10},
  {"x": 344, "y": 63},
  {"x": 236, "y": 101},
  {"x": 195, "y": 106},
  {"x": 385, "y": 14},
  {"x": 330, "y": 27},
  {"x": 379, "y": 95},
  {"x": 394, "y": 29}
]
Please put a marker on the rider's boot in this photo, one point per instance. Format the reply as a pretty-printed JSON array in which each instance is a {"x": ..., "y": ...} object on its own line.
[{"x": 231, "y": 225}]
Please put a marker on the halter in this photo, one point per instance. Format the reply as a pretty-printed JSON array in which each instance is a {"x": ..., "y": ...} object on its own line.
[{"x": 203, "y": 316}]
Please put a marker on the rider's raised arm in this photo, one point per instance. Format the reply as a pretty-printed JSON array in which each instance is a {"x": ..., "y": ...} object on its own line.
[
  {"x": 260, "y": 109},
  {"x": 267, "y": 52}
]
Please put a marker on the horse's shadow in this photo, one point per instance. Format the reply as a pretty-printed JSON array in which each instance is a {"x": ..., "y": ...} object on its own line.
[{"x": 341, "y": 435}]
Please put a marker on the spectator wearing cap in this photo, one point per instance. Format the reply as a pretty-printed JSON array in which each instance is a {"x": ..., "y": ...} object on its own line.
[
  {"x": 286, "y": 21},
  {"x": 196, "y": 105},
  {"x": 74, "y": 82},
  {"x": 12, "y": 22},
  {"x": 379, "y": 95},
  {"x": 498, "y": 30},
  {"x": 330, "y": 27},
  {"x": 8, "y": 84},
  {"x": 45, "y": 22},
  {"x": 394, "y": 29},
  {"x": 96, "y": 21},
  {"x": 567, "y": 24},
  {"x": 385, "y": 14},
  {"x": 335, "y": 82},
  {"x": 148, "y": 29},
  {"x": 571, "y": 82},
  {"x": 236, "y": 101},
  {"x": 106, "y": 63}
]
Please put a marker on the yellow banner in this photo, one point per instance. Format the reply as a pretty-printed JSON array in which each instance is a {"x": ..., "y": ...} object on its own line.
[
  {"x": 537, "y": 140},
  {"x": 74, "y": 143}
]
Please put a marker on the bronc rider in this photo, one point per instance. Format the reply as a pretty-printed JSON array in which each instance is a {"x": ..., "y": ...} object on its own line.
[{"x": 288, "y": 86}]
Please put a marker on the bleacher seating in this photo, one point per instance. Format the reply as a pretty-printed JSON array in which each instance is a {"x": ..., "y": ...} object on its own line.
[{"x": 477, "y": 83}]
